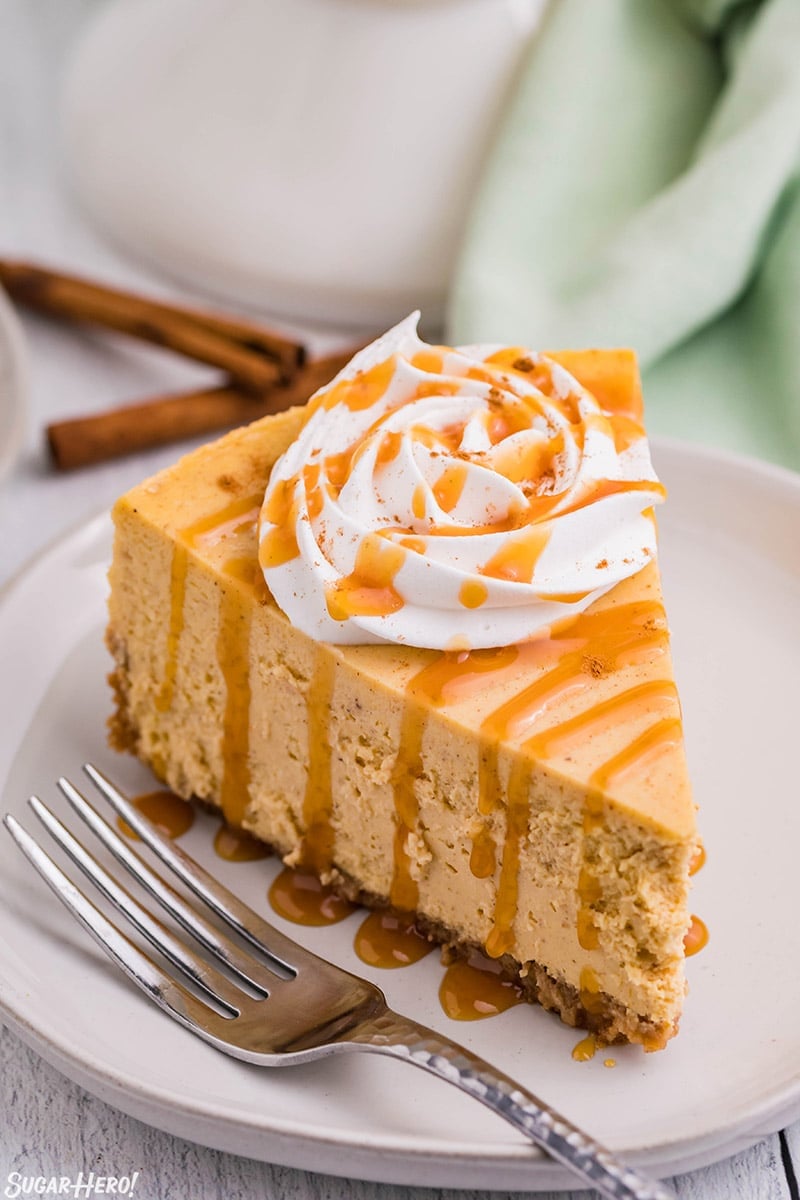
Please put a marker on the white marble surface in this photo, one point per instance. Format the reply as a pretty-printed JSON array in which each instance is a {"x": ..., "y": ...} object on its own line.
[{"x": 48, "y": 1125}]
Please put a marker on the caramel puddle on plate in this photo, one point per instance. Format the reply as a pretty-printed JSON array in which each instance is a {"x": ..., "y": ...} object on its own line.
[
  {"x": 300, "y": 897},
  {"x": 171, "y": 815},
  {"x": 585, "y": 1049},
  {"x": 384, "y": 939},
  {"x": 697, "y": 937},
  {"x": 474, "y": 989},
  {"x": 698, "y": 860},
  {"x": 234, "y": 845}
]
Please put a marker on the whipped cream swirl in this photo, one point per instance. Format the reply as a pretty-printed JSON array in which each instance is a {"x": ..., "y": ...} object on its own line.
[{"x": 454, "y": 499}]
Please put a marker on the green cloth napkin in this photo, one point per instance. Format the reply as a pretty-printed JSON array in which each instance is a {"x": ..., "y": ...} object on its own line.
[{"x": 642, "y": 191}]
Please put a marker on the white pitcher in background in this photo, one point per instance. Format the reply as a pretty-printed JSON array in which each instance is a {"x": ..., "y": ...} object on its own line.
[{"x": 313, "y": 158}]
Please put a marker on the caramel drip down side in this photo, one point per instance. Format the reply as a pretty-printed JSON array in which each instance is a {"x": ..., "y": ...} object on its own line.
[
  {"x": 446, "y": 678},
  {"x": 231, "y": 519},
  {"x": 483, "y": 857},
  {"x": 317, "y": 848},
  {"x": 404, "y": 890},
  {"x": 501, "y": 938},
  {"x": 176, "y": 607},
  {"x": 233, "y": 656}
]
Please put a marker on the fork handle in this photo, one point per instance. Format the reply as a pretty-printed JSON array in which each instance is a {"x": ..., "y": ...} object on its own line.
[{"x": 399, "y": 1037}]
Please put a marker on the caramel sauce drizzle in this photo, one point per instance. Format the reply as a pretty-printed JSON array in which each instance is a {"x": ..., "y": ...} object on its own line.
[
  {"x": 298, "y": 896},
  {"x": 516, "y": 560},
  {"x": 369, "y": 590},
  {"x": 180, "y": 560},
  {"x": 431, "y": 359},
  {"x": 359, "y": 391},
  {"x": 473, "y": 593},
  {"x": 236, "y": 517},
  {"x": 585, "y": 1049},
  {"x": 233, "y": 645},
  {"x": 698, "y": 860},
  {"x": 589, "y": 892},
  {"x": 451, "y": 676},
  {"x": 590, "y": 991},
  {"x": 618, "y": 708},
  {"x": 246, "y": 569},
  {"x": 317, "y": 847},
  {"x": 696, "y": 938},
  {"x": 232, "y": 642},
  {"x": 474, "y": 989},
  {"x": 589, "y": 646},
  {"x": 388, "y": 449},
  {"x": 449, "y": 486},
  {"x": 404, "y": 889},
  {"x": 234, "y": 845},
  {"x": 626, "y": 430},
  {"x": 231, "y": 519},
  {"x": 171, "y": 815},
  {"x": 446, "y": 677},
  {"x": 483, "y": 857},
  {"x": 385, "y": 939},
  {"x": 279, "y": 543},
  {"x": 644, "y": 748},
  {"x": 501, "y": 938},
  {"x": 595, "y": 643},
  {"x": 592, "y": 644}
]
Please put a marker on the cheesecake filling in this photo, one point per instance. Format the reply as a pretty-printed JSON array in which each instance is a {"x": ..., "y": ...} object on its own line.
[{"x": 454, "y": 499}]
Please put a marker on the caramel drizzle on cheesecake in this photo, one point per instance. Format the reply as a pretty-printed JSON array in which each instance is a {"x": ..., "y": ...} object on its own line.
[
  {"x": 232, "y": 645},
  {"x": 593, "y": 644},
  {"x": 316, "y": 850}
]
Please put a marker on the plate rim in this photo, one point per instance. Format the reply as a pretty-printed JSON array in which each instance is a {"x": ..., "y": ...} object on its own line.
[{"x": 434, "y": 1165}]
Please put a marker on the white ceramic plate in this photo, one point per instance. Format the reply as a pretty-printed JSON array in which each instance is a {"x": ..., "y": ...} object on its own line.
[
  {"x": 13, "y": 385},
  {"x": 731, "y": 564}
]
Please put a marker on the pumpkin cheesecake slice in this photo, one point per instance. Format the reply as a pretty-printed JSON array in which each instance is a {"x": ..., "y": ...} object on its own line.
[{"x": 432, "y": 662}]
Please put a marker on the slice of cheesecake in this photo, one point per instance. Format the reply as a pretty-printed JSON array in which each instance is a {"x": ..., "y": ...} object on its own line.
[{"x": 531, "y": 800}]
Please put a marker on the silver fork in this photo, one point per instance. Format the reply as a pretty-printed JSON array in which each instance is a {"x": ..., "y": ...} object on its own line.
[{"x": 282, "y": 1005}]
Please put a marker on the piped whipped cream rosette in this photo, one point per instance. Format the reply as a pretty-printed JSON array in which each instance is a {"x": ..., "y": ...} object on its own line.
[{"x": 453, "y": 499}]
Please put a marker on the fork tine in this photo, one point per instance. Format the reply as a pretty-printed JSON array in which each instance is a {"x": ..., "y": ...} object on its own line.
[
  {"x": 167, "y": 993},
  {"x": 241, "y": 963},
  {"x": 281, "y": 950},
  {"x": 211, "y": 981}
]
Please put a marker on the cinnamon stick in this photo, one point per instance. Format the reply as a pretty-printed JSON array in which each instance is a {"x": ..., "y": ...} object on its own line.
[
  {"x": 84, "y": 441},
  {"x": 254, "y": 358}
]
